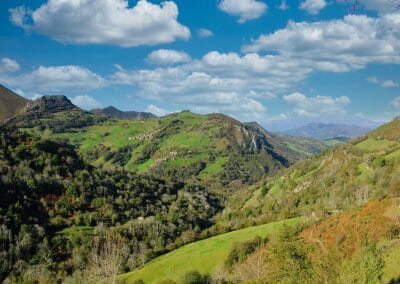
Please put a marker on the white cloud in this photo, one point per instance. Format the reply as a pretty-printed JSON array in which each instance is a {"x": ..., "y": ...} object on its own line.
[
  {"x": 218, "y": 82},
  {"x": 157, "y": 110},
  {"x": 395, "y": 104},
  {"x": 57, "y": 79},
  {"x": 85, "y": 102},
  {"x": 168, "y": 56},
  {"x": 313, "y": 6},
  {"x": 381, "y": 6},
  {"x": 389, "y": 84},
  {"x": 110, "y": 22},
  {"x": 383, "y": 83},
  {"x": 315, "y": 106},
  {"x": 283, "y": 6},
  {"x": 336, "y": 45},
  {"x": 8, "y": 65},
  {"x": 203, "y": 33},
  {"x": 246, "y": 10}
]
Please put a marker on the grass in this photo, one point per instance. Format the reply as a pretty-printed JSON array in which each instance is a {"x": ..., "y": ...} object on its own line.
[
  {"x": 373, "y": 145},
  {"x": 76, "y": 231},
  {"x": 203, "y": 256},
  {"x": 214, "y": 168},
  {"x": 392, "y": 264},
  {"x": 253, "y": 200},
  {"x": 393, "y": 155}
]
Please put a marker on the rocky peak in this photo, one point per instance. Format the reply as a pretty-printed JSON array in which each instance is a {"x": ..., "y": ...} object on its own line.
[{"x": 50, "y": 104}]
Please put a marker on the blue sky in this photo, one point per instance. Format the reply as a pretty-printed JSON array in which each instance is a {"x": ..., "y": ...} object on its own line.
[{"x": 279, "y": 64}]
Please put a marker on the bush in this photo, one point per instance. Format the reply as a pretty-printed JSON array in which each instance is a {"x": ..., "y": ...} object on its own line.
[
  {"x": 241, "y": 250},
  {"x": 195, "y": 277}
]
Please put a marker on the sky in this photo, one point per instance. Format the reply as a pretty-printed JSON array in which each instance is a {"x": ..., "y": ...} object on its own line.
[{"x": 280, "y": 63}]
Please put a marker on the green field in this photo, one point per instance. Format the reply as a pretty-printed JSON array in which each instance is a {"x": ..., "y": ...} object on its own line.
[
  {"x": 202, "y": 256},
  {"x": 372, "y": 145}
]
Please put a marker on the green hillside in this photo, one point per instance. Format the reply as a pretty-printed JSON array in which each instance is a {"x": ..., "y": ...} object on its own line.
[
  {"x": 214, "y": 149},
  {"x": 341, "y": 178},
  {"x": 351, "y": 192},
  {"x": 203, "y": 256}
]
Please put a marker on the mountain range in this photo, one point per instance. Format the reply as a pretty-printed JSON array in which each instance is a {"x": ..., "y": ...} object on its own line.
[
  {"x": 324, "y": 131},
  {"x": 178, "y": 199}
]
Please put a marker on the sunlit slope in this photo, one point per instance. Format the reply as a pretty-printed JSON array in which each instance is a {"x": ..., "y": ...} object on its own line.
[
  {"x": 212, "y": 148},
  {"x": 204, "y": 256},
  {"x": 341, "y": 178}
]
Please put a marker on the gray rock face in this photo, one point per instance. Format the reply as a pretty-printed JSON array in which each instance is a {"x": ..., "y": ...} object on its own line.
[{"x": 50, "y": 104}]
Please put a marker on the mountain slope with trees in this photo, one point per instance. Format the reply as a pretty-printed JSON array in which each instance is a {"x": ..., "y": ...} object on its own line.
[{"x": 10, "y": 104}]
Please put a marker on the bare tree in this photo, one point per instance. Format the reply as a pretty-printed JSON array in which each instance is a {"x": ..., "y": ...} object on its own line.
[{"x": 106, "y": 260}]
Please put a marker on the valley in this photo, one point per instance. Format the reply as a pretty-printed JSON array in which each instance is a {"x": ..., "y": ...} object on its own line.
[{"x": 188, "y": 195}]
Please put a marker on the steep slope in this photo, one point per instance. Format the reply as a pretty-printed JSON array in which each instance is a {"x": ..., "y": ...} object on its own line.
[
  {"x": 116, "y": 113},
  {"x": 53, "y": 112},
  {"x": 348, "y": 175},
  {"x": 10, "y": 103},
  {"x": 325, "y": 131},
  {"x": 212, "y": 149},
  {"x": 205, "y": 256}
]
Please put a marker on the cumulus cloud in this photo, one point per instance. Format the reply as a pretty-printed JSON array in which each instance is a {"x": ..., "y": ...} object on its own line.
[
  {"x": 203, "y": 33},
  {"x": 8, "y": 65},
  {"x": 395, "y": 104},
  {"x": 381, "y": 6},
  {"x": 85, "y": 102},
  {"x": 314, "y": 106},
  {"x": 313, "y": 6},
  {"x": 168, "y": 56},
  {"x": 336, "y": 45},
  {"x": 283, "y": 6},
  {"x": 218, "y": 82},
  {"x": 246, "y": 10},
  {"x": 383, "y": 83},
  {"x": 57, "y": 79},
  {"x": 157, "y": 110},
  {"x": 110, "y": 22}
]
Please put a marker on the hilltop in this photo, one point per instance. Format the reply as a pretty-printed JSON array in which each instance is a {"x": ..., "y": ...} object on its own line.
[
  {"x": 216, "y": 150},
  {"x": 11, "y": 104},
  {"x": 116, "y": 113}
]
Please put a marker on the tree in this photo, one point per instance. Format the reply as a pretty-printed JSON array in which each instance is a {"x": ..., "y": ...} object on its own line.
[{"x": 106, "y": 260}]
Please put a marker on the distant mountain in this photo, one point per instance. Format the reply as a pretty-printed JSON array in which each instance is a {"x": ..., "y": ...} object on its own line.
[
  {"x": 116, "y": 113},
  {"x": 323, "y": 131},
  {"x": 215, "y": 148},
  {"x": 282, "y": 125},
  {"x": 56, "y": 113},
  {"x": 10, "y": 103}
]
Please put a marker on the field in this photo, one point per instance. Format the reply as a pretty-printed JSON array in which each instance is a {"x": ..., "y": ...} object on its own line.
[{"x": 204, "y": 256}]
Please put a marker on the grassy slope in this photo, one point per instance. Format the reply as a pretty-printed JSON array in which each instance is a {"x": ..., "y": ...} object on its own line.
[
  {"x": 203, "y": 256},
  {"x": 361, "y": 179},
  {"x": 180, "y": 141}
]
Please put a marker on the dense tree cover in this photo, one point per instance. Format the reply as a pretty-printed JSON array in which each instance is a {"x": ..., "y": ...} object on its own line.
[
  {"x": 53, "y": 206},
  {"x": 288, "y": 258}
]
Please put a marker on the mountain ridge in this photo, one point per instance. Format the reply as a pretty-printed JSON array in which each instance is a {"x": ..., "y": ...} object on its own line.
[
  {"x": 112, "y": 111},
  {"x": 324, "y": 131},
  {"x": 11, "y": 104}
]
